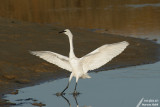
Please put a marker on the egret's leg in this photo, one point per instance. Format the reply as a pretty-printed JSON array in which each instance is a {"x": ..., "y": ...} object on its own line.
[
  {"x": 75, "y": 93},
  {"x": 68, "y": 83},
  {"x": 75, "y": 87},
  {"x": 77, "y": 78},
  {"x": 65, "y": 88}
]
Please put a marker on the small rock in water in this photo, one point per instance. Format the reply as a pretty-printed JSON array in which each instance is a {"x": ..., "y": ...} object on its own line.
[
  {"x": 14, "y": 92},
  {"x": 39, "y": 104}
]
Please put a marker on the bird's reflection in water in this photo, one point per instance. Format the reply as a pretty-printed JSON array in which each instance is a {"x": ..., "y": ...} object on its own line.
[{"x": 75, "y": 98}]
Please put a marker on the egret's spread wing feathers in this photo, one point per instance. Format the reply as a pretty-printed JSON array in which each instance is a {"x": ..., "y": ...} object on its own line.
[
  {"x": 102, "y": 55},
  {"x": 54, "y": 58}
]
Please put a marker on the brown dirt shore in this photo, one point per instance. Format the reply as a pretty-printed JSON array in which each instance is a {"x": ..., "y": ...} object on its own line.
[{"x": 20, "y": 69}]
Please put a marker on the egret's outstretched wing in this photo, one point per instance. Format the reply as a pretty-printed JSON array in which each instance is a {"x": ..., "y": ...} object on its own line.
[
  {"x": 54, "y": 58},
  {"x": 102, "y": 55}
]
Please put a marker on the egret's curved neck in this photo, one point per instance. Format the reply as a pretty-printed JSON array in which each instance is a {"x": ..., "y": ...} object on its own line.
[{"x": 71, "y": 53}]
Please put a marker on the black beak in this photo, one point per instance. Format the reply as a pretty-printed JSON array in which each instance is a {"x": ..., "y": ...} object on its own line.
[{"x": 62, "y": 31}]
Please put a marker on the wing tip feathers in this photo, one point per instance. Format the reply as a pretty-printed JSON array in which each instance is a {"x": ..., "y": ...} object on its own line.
[
  {"x": 32, "y": 52},
  {"x": 126, "y": 43}
]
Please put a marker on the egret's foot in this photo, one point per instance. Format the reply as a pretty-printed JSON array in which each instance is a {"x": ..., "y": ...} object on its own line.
[
  {"x": 75, "y": 93},
  {"x": 60, "y": 94}
]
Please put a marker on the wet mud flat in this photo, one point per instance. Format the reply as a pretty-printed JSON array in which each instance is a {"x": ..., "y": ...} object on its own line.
[{"x": 19, "y": 69}]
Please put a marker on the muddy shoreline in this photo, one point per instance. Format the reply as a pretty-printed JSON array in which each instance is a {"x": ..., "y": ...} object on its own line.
[{"x": 20, "y": 69}]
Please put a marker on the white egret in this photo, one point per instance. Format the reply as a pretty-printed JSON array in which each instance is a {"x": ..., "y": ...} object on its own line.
[{"x": 80, "y": 66}]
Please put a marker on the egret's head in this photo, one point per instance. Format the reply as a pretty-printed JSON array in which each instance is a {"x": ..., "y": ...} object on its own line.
[{"x": 67, "y": 32}]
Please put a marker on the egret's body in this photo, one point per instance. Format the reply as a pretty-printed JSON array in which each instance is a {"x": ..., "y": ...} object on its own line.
[{"x": 80, "y": 66}]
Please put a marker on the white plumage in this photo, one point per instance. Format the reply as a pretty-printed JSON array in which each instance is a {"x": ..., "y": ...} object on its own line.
[
  {"x": 80, "y": 66},
  {"x": 54, "y": 58},
  {"x": 102, "y": 55}
]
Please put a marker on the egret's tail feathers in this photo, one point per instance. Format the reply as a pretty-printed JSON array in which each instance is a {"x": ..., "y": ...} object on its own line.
[{"x": 85, "y": 76}]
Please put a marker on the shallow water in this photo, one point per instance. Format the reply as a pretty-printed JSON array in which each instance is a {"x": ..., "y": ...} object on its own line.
[
  {"x": 129, "y": 17},
  {"x": 114, "y": 88}
]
